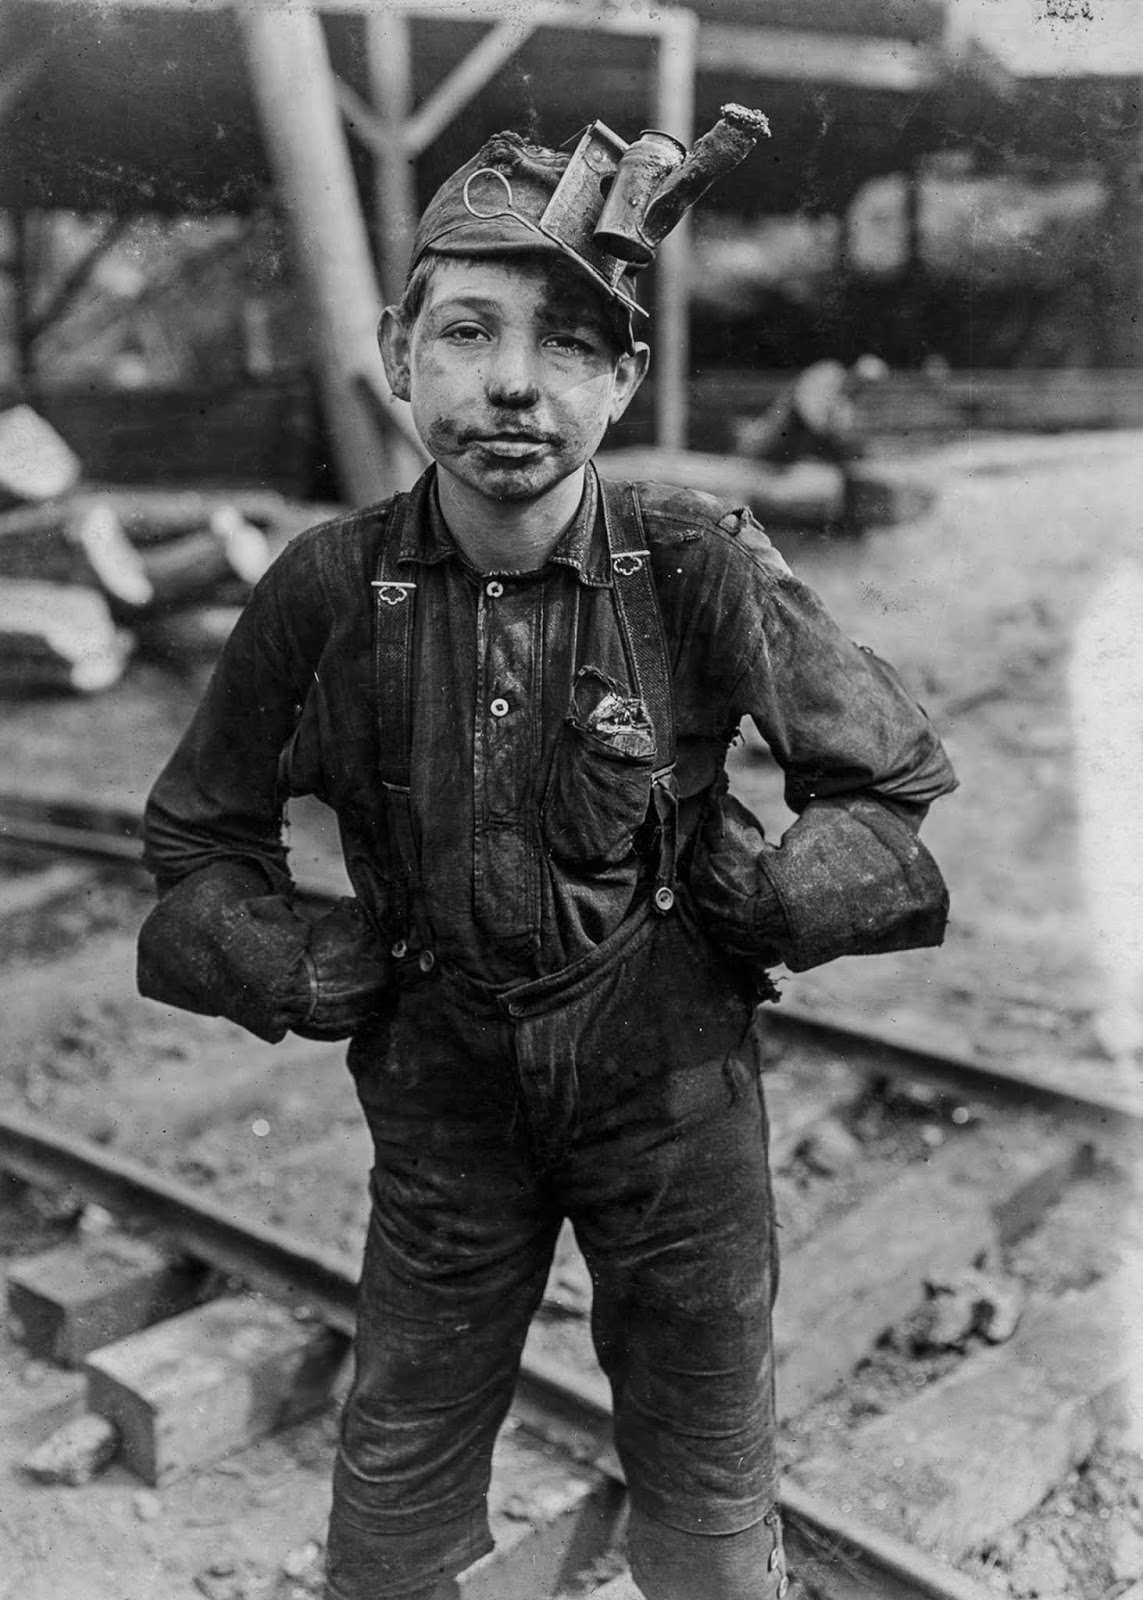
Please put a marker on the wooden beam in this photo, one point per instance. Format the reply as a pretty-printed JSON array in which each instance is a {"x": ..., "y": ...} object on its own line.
[
  {"x": 78, "y": 277},
  {"x": 77, "y": 1297},
  {"x": 966, "y": 1458},
  {"x": 388, "y": 57},
  {"x": 414, "y": 131},
  {"x": 636, "y": 20},
  {"x": 211, "y": 1381},
  {"x": 360, "y": 115},
  {"x": 804, "y": 57},
  {"x": 674, "y": 113},
  {"x": 461, "y": 86},
  {"x": 294, "y": 92}
]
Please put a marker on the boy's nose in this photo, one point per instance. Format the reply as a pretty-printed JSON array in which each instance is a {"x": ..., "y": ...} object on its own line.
[{"x": 511, "y": 376}]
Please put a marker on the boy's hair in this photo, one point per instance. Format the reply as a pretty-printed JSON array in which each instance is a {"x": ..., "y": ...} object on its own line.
[{"x": 566, "y": 281}]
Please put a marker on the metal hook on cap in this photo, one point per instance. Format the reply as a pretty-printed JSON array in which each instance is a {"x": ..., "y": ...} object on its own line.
[{"x": 507, "y": 209}]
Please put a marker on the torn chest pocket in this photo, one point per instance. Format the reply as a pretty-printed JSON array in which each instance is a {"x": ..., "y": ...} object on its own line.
[{"x": 599, "y": 788}]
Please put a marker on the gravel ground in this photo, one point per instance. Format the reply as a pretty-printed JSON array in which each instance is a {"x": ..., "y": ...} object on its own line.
[{"x": 979, "y": 604}]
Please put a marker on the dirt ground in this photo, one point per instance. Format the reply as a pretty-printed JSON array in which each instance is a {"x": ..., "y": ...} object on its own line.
[{"x": 979, "y": 604}]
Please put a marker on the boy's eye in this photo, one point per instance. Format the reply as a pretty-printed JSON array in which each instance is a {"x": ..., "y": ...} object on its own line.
[
  {"x": 574, "y": 344},
  {"x": 465, "y": 332}
]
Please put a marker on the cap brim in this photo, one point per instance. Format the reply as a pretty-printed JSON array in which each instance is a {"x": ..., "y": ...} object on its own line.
[{"x": 506, "y": 236}]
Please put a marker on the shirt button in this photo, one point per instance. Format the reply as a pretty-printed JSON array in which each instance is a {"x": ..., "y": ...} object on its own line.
[
  {"x": 499, "y": 707},
  {"x": 494, "y": 589}
]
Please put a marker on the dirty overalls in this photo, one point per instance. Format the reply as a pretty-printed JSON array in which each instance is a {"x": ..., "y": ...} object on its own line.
[{"x": 598, "y": 1064}]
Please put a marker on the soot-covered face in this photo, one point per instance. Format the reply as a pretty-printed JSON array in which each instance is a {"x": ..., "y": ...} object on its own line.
[{"x": 513, "y": 371}]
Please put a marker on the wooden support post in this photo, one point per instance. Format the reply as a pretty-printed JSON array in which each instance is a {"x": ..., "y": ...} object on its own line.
[
  {"x": 674, "y": 113},
  {"x": 78, "y": 277},
  {"x": 388, "y": 58},
  {"x": 389, "y": 64},
  {"x": 466, "y": 81},
  {"x": 294, "y": 92}
]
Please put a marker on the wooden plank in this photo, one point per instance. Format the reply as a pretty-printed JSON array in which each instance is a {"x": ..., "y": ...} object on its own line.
[
  {"x": 212, "y": 1381},
  {"x": 35, "y": 462},
  {"x": 31, "y": 891},
  {"x": 58, "y": 636},
  {"x": 809, "y": 494},
  {"x": 70, "y": 1301},
  {"x": 814, "y": 57},
  {"x": 914, "y": 405},
  {"x": 967, "y": 1458},
  {"x": 857, "y": 1277}
]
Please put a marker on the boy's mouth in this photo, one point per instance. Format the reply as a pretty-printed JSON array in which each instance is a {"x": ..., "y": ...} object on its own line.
[{"x": 511, "y": 443}]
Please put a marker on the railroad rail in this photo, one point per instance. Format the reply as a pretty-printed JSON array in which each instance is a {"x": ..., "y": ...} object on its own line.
[
  {"x": 840, "y": 1555},
  {"x": 854, "y": 1561}
]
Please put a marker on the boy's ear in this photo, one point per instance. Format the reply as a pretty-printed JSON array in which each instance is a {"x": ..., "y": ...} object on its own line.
[
  {"x": 393, "y": 339},
  {"x": 630, "y": 370}
]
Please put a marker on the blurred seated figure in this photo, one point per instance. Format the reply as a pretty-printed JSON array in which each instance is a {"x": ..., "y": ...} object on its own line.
[{"x": 814, "y": 418}]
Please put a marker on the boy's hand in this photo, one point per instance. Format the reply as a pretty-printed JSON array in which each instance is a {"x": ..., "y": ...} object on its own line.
[
  {"x": 732, "y": 895},
  {"x": 220, "y": 944},
  {"x": 348, "y": 968}
]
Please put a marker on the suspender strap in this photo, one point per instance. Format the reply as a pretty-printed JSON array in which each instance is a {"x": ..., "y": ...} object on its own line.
[
  {"x": 637, "y": 606},
  {"x": 394, "y": 639}
]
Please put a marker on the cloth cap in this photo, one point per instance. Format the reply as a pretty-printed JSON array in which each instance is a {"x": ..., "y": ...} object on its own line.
[{"x": 494, "y": 205}]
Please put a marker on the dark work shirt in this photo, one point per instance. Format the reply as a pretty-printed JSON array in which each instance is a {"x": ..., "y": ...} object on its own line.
[{"x": 527, "y": 829}]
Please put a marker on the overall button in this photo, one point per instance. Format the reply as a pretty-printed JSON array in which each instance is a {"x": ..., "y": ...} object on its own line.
[
  {"x": 499, "y": 707},
  {"x": 494, "y": 589}
]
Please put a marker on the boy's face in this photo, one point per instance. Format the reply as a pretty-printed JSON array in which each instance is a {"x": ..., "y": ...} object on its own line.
[{"x": 512, "y": 373}]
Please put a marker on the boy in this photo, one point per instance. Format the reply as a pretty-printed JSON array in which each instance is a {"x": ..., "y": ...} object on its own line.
[{"x": 516, "y": 686}]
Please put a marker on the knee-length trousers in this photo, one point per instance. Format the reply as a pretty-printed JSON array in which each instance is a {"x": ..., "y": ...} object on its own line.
[{"x": 624, "y": 1095}]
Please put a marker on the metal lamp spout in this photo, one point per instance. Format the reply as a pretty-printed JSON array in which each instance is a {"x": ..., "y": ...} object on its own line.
[{"x": 658, "y": 181}]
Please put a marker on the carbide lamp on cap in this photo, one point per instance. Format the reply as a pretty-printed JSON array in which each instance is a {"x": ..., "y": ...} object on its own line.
[{"x": 605, "y": 207}]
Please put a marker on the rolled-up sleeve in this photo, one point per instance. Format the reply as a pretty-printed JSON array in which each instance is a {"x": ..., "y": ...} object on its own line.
[
  {"x": 837, "y": 718},
  {"x": 218, "y": 798},
  {"x": 861, "y": 764}
]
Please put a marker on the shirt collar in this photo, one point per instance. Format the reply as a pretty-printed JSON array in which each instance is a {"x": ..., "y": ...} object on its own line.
[{"x": 583, "y": 544}]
